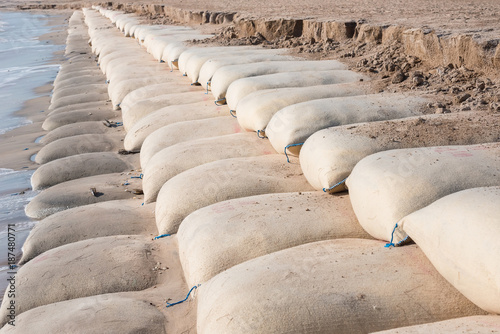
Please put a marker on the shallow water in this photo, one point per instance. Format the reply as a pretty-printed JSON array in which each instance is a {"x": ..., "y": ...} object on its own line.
[{"x": 25, "y": 64}]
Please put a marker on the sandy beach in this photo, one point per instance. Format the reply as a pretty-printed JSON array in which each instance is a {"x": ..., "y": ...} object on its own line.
[{"x": 333, "y": 129}]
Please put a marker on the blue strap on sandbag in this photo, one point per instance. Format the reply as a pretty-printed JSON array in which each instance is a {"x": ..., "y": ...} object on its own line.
[
  {"x": 391, "y": 244},
  {"x": 137, "y": 177},
  {"x": 335, "y": 185},
  {"x": 118, "y": 123},
  {"x": 207, "y": 87},
  {"x": 161, "y": 236},
  {"x": 182, "y": 301},
  {"x": 258, "y": 134},
  {"x": 232, "y": 113},
  {"x": 217, "y": 101},
  {"x": 291, "y": 145},
  {"x": 171, "y": 66},
  {"x": 162, "y": 61}
]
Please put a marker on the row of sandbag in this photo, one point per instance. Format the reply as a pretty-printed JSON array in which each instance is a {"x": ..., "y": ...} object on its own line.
[
  {"x": 417, "y": 121},
  {"x": 77, "y": 262}
]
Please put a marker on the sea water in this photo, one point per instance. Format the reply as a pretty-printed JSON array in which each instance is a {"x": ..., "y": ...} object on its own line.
[{"x": 26, "y": 62}]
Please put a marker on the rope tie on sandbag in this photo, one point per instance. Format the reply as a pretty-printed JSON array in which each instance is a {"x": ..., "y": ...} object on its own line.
[
  {"x": 291, "y": 145},
  {"x": 137, "y": 177},
  {"x": 217, "y": 101},
  {"x": 182, "y": 301},
  {"x": 391, "y": 244},
  {"x": 161, "y": 236},
  {"x": 162, "y": 61},
  {"x": 335, "y": 185},
  {"x": 258, "y": 134},
  {"x": 232, "y": 113}
]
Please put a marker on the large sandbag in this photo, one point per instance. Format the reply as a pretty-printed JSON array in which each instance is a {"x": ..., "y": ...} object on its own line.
[
  {"x": 224, "y": 76},
  {"x": 54, "y": 121},
  {"x": 255, "y": 110},
  {"x": 78, "y": 81},
  {"x": 122, "y": 217},
  {"x": 295, "y": 123},
  {"x": 136, "y": 72},
  {"x": 155, "y": 90},
  {"x": 145, "y": 107},
  {"x": 222, "y": 180},
  {"x": 460, "y": 235},
  {"x": 169, "y": 115},
  {"x": 329, "y": 155},
  {"x": 185, "y": 131},
  {"x": 156, "y": 47},
  {"x": 95, "y": 127},
  {"x": 118, "y": 92},
  {"x": 71, "y": 146},
  {"x": 178, "y": 158},
  {"x": 64, "y": 80},
  {"x": 387, "y": 186},
  {"x": 241, "y": 88},
  {"x": 100, "y": 88},
  {"x": 84, "y": 191},
  {"x": 474, "y": 324},
  {"x": 81, "y": 165},
  {"x": 334, "y": 286},
  {"x": 210, "y": 66},
  {"x": 85, "y": 268},
  {"x": 222, "y": 235},
  {"x": 171, "y": 54},
  {"x": 109, "y": 313},
  {"x": 77, "y": 99},
  {"x": 88, "y": 106},
  {"x": 185, "y": 56},
  {"x": 197, "y": 60}
]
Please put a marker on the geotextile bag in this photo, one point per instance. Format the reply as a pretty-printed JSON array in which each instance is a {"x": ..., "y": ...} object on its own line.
[
  {"x": 387, "y": 186},
  {"x": 334, "y": 286}
]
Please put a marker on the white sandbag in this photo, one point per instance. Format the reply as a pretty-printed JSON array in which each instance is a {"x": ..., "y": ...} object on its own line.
[
  {"x": 69, "y": 79},
  {"x": 185, "y": 131},
  {"x": 155, "y": 90},
  {"x": 77, "y": 99},
  {"x": 54, "y": 121},
  {"x": 474, "y": 324},
  {"x": 224, "y": 76},
  {"x": 197, "y": 60},
  {"x": 84, "y": 191},
  {"x": 76, "y": 129},
  {"x": 78, "y": 81},
  {"x": 410, "y": 179},
  {"x": 222, "y": 180},
  {"x": 295, "y": 123},
  {"x": 85, "y": 268},
  {"x": 460, "y": 235},
  {"x": 145, "y": 107},
  {"x": 85, "y": 89},
  {"x": 241, "y": 88},
  {"x": 220, "y": 236},
  {"x": 210, "y": 66},
  {"x": 329, "y": 155},
  {"x": 185, "y": 56},
  {"x": 334, "y": 286},
  {"x": 80, "y": 165},
  {"x": 87, "y": 106},
  {"x": 138, "y": 59},
  {"x": 136, "y": 72},
  {"x": 256, "y": 110},
  {"x": 118, "y": 91},
  {"x": 79, "y": 144},
  {"x": 169, "y": 115},
  {"x": 156, "y": 47},
  {"x": 171, "y": 54},
  {"x": 109, "y": 313},
  {"x": 178, "y": 158},
  {"x": 125, "y": 217}
]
